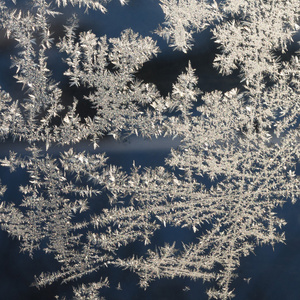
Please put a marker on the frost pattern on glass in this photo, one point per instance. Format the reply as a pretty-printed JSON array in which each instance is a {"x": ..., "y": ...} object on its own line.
[{"x": 245, "y": 142}]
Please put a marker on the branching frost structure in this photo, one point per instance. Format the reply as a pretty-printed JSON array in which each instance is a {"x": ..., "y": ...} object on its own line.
[{"x": 245, "y": 142}]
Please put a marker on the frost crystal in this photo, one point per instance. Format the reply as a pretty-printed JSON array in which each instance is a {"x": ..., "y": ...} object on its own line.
[{"x": 236, "y": 162}]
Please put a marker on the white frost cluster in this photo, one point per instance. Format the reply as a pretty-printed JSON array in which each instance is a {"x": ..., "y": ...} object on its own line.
[{"x": 227, "y": 138}]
